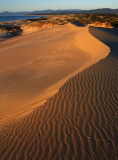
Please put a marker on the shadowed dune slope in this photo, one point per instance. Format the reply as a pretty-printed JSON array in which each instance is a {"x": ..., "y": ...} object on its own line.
[
  {"x": 79, "y": 122},
  {"x": 108, "y": 36}
]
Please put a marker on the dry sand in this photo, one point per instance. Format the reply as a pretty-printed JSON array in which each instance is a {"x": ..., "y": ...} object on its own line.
[
  {"x": 80, "y": 120},
  {"x": 34, "y": 66}
]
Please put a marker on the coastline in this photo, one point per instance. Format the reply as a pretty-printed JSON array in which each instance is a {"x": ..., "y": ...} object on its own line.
[{"x": 10, "y": 19}]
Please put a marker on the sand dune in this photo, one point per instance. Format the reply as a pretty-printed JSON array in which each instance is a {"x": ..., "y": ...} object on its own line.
[
  {"x": 34, "y": 66},
  {"x": 79, "y": 122}
]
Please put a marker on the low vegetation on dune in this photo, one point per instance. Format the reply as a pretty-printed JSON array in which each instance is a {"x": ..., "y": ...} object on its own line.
[
  {"x": 109, "y": 20},
  {"x": 98, "y": 20},
  {"x": 11, "y": 30},
  {"x": 41, "y": 24},
  {"x": 36, "y": 19}
]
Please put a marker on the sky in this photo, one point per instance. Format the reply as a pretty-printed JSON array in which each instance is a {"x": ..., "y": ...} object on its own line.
[{"x": 32, "y": 5}]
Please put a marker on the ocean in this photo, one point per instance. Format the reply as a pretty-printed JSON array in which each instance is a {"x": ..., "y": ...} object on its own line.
[{"x": 14, "y": 18}]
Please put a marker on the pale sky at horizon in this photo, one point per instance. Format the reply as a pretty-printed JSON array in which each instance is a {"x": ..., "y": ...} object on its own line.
[{"x": 32, "y": 5}]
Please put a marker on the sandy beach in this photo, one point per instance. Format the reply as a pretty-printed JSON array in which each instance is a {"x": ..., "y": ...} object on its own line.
[{"x": 58, "y": 94}]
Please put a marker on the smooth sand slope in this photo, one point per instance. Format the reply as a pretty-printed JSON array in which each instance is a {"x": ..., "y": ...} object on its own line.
[
  {"x": 79, "y": 122},
  {"x": 34, "y": 66}
]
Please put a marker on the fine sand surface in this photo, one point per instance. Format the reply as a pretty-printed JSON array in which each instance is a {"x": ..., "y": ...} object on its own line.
[
  {"x": 80, "y": 121},
  {"x": 34, "y": 66}
]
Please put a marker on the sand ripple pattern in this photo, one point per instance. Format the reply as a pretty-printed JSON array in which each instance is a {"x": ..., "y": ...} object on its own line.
[{"x": 78, "y": 123}]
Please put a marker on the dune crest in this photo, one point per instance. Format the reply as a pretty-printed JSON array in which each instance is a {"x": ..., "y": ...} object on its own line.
[{"x": 91, "y": 45}]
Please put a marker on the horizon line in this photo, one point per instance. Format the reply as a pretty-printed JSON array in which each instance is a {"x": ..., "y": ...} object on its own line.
[{"x": 57, "y": 9}]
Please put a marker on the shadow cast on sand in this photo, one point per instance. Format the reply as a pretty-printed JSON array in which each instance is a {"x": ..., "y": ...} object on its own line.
[
  {"x": 11, "y": 31},
  {"x": 108, "y": 36},
  {"x": 7, "y": 36},
  {"x": 78, "y": 24}
]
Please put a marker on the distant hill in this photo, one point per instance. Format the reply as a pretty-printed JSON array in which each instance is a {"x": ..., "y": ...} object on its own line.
[
  {"x": 67, "y": 11},
  {"x": 103, "y": 10}
]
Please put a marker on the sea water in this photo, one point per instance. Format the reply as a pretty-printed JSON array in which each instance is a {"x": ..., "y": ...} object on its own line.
[{"x": 14, "y": 18}]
